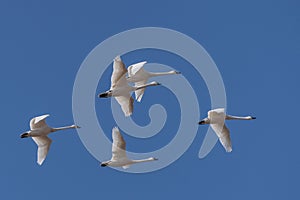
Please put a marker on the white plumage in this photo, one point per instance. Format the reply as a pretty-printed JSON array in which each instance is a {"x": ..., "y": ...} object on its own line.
[
  {"x": 119, "y": 157},
  {"x": 120, "y": 88},
  {"x": 216, "y": 118},
  {"x": 138, "y": 75},
  {"x": 38, "y": 132}
]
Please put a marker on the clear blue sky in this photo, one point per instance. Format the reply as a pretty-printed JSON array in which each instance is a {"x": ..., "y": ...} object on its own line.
[{"x": 255, "y": 45}]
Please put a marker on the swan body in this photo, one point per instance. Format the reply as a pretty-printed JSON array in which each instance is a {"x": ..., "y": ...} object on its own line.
[
  {"x": 139, "y": 76},
  {"x": 38, "y": 132},
  {"x": 119, "y": 157},
  {"x": 120, "y": 88},
  {"x": 216, "y": 118}
]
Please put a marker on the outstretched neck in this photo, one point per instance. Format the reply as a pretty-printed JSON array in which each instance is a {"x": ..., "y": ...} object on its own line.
[
  {"x": 152, "y": 74},
  {"x": 146, "y": 85},
  {"x": 63, "y": 128},
  {"x": 230, "y": 117},
  {"x": 143, "y": 160}
]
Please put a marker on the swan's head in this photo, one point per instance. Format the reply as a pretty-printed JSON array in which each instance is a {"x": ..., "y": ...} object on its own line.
[
  {"x": 204, "y": 121},
  {"x": 104, "y": 164},
  {"x": 75, "y": 126},
  {"x": 201, "y": 122},
  {"x": 152, "y": 158},
  {"x": 24, "y": 135},
  {"x": 154, "y": 83},
  {"x": 251, "y": 117},
  {"x": 105, "y": 94},
  {"x": 175, "y": 72},
  {"x": 117, "y": 58}
]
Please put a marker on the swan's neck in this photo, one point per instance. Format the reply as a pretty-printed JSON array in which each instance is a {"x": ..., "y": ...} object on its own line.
[
  {"x": 144, "y": 86},
  {"x": 62, "y": 128},
  {"x": 152, "y": 74},
  {"x": 230, "y": 117},
  {"x": 143, "y": 160}
]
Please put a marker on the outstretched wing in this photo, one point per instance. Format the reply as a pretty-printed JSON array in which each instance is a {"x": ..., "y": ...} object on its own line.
[
  {"x": 43, "y": 143},
  {"x": 118, "y": 146},
  {"x": 133, "y": 69},
  {"x": 126, "y": 103},
  {"x": 216, "y": 113},
  {"x": 119, "y": 73},
  {"x": 38, "y": 122},
  {"x": 139, "y": 93},
  {"x": 223, "y": 135}
]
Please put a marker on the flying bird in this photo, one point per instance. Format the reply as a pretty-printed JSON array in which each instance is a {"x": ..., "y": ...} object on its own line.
[
  {"x": 120, "y": 89},
  {"x": 216, "y": 118},
  {"x": 139, "y": 76},
  {"x": 119, "y": 157},
  {"x": 38, "y": 132}
]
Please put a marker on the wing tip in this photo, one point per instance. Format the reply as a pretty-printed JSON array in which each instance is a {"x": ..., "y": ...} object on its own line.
[
  {"x": 117, "y": 58},
  {"x": 139, "y": 98},
  {"x": 44, "y": 115},
  {"x": 115, "y": 128},
  {"x": 40, "y": 162},
  {"x": 128, "y": 114}
]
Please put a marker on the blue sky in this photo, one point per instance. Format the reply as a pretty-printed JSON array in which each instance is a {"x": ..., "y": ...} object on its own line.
[{"x": 255, "y": 46}]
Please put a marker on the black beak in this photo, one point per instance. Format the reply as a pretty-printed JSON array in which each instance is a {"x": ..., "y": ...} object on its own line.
[
  {"x": 103, "y": 95},
  {"x": 201, "y": 122},
  {"x": 178, "y": 72},
  {"x": 253, "y": 117},
  {"x": 24, "y": 135},
  {"x": 103, "y": 165}
]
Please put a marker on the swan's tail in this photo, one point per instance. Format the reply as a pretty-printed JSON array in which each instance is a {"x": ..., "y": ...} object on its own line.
[{"x": 125, "y": 166}]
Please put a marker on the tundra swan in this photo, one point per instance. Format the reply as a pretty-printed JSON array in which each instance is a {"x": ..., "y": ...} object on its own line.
[
  {"x": 139, "y": 76},
  {"x": 216, "y": 119},
  {"x": 119, "y": 158},
  {"x": 38, "y": 132}
]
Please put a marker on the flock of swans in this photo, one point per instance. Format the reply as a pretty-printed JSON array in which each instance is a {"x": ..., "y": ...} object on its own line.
[{"x": 121, "y": 91}]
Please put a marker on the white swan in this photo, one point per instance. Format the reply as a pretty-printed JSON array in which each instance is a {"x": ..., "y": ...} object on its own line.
[
  {"x": 120, "y": 88},
  {"x": 38, "y": 132},
  {"x": 119, "y": 158},
  {"x": 216, "y": 118},
  {"x": 138, "y": 75}
]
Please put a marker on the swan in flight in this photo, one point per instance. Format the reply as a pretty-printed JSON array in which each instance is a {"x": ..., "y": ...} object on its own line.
[
  {"x": 120, "y": 89},
  {"x": 38, "y": 132},
  {"x": 216, "y": 118},
  {"x": 138, "y": 75},
  {"x": 119, "y": 158}
]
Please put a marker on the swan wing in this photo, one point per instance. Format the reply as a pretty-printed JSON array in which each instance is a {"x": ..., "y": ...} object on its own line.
[
  {"x": 43, "y": 143},
  {"x": 135, "y": 68},
  {"x": 139, "y": 93},
  {"x": 119, "y": 73},
  {"x": 121, "y": 82},
  {"x": 126, "y": 103},
  {"x": 118, "y": 146},
  {"x": 224, "y": 135},
  {"x": 214, "y": 112},
  {"x": 38, "y": 122}
]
